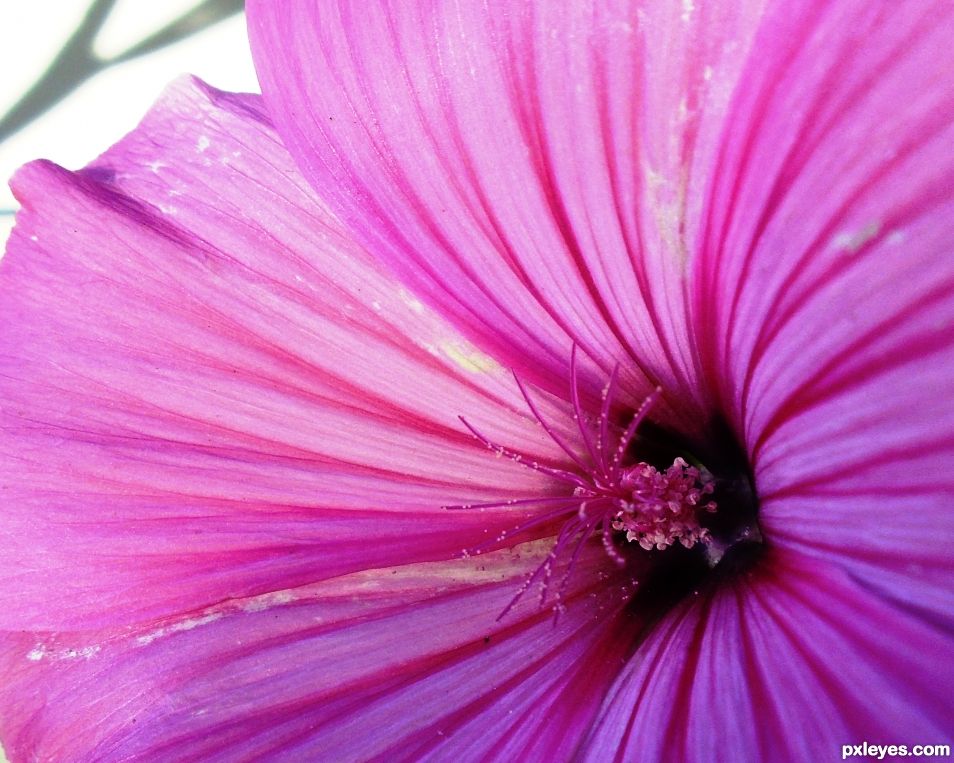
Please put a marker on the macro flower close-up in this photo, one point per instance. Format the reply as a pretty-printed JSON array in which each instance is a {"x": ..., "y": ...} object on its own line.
[{"x": 509, "y": 381}]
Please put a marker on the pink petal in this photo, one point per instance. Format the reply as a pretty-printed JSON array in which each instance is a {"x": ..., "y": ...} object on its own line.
[
  {"x": 530, "y": 169},
  {"x": 789, "y": 664},
  {"x": 406, "y": 663},
  {"x": 210, "y": 393},
  {"x": 825, "y": 290}
]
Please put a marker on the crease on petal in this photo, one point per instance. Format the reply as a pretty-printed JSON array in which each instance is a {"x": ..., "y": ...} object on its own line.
[{"x": 299, "y": 675}]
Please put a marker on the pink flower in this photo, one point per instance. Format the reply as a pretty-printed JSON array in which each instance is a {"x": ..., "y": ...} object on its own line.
[{"x": 249, "y": 357}]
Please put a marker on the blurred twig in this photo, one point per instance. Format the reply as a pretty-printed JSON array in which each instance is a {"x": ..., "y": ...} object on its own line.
[{"x": 77, "y": 62}]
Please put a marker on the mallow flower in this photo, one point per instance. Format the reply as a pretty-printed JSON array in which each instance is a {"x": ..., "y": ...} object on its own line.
[{"x": 528, "y": 381}]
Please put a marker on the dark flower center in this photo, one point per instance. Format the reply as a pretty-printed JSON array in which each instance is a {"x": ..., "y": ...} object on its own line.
[
  {"x": 733, "y": 540},
  {"x": 733, "y": 525}
]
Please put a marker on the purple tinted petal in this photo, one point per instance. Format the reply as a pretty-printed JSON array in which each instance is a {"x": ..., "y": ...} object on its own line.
[
  {"x": 787, "y": 664},
  {"x": 406, "y": 663}
]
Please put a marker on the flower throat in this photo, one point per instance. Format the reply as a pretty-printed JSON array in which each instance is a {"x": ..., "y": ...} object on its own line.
[{"x": 684, "y": 512}]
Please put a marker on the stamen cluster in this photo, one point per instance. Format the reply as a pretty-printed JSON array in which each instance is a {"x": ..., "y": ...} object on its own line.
[{"x": 664, "y": 507}]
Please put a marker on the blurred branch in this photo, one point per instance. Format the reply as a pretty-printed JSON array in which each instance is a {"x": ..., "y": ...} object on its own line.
[
  {"x": 77, "y": 62},
  {"x": 203, "y": 15},
  {"x": 74, "y": 64}
]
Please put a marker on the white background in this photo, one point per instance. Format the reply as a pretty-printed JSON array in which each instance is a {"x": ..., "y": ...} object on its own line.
[{"x": 106, "y": 107}]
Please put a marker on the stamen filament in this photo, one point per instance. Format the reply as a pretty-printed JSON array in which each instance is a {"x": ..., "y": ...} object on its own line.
[
  {"x": 580, "y": 416},
  {"x": 546, "y": 427}
]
